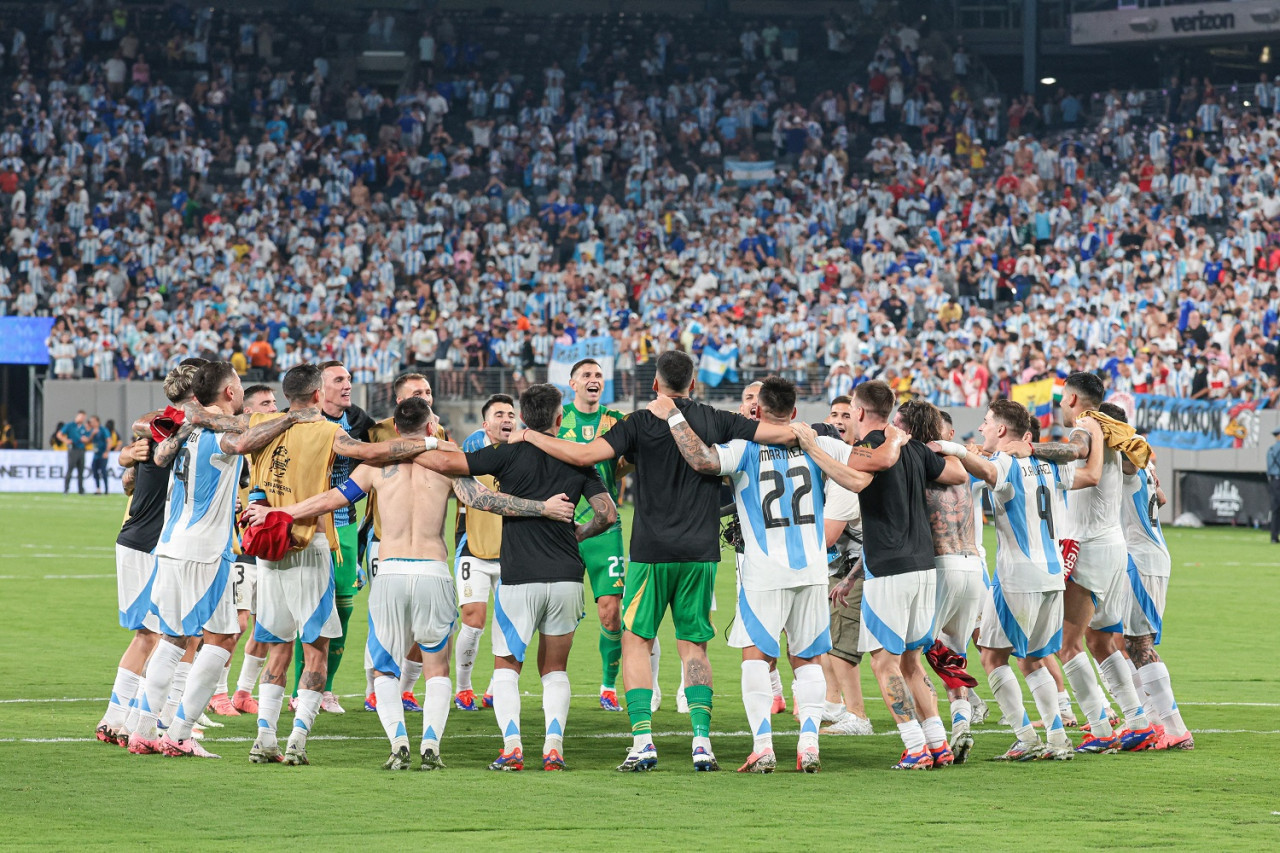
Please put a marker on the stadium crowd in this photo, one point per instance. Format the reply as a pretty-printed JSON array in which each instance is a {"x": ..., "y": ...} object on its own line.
[{"x": 916, "y": 228}]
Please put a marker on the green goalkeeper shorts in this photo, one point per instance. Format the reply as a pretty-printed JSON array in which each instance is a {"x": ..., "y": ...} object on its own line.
[
  {"x": 344, "y": 573},
  {"x": 606, "y": 563},
  {"x": 686, "y": 588}
]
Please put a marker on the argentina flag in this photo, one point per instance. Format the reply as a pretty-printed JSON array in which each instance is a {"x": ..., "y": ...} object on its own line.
[{"x": 718, "y": 364}]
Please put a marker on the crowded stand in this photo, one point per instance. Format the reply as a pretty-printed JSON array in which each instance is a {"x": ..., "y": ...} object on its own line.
[{"x": 830, "y": 202}]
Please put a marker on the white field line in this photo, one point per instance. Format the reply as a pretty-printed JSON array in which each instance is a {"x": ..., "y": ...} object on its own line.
[{"x": 594, "y": 736}]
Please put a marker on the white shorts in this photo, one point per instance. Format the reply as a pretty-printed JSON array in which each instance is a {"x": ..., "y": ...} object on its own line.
[
  {"x": 191, "y": 597},
  {"x": 245, "y": 583},
  {"x": 135, "y": 571},
  {"x": 1147, "y": 595},
  {"x": 1100, "y": 569},
  {"x": 897, "y": 612},
  {"x": 802, "y": 612},
  {"x": 475, "y": 579},
  {"x": 1030, "y": 623},
  {"x": 962, "y": 590},
  {"x": 295, "y": 596},
  {"x": 412, "y": 602},
  {"x": 520, "y": 609}
]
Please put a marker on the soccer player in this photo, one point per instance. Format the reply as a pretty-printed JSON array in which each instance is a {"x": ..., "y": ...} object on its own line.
[
  {"x": 296, "y": 593},
  {"x": 842, "y": 523},
  {"x": 1148, "y": 572},
  {"x": 542, "y": 571},
  {"x": 135, "y": 564},
  {"x": 782, "y": 576},
  {"x": 1097, "y": 594},
  {"x": 899, "y": 595},
  {"x": 961, "y": 573},
  {"x": 1023, "y": 615},
  {"x": 413, "y": 602},
  {"x": 405, "y": 386},
  {"x": 338, "y": 409},
  {"x": 584, "y": 419},
  {"x": 477, "y": 554},
  {"x": 257, "y": 398},
  {"x": 191, "y": 590},
  {"x": 675, "y": 547}
]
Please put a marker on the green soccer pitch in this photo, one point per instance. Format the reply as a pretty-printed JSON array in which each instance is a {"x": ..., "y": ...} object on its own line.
[{"x": 60, "y": 788}]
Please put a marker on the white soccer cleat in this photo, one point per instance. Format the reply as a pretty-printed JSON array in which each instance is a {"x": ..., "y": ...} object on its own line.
[
  {"x": 204, "y": 722},
  {"x": 850, "y": 724},
  {"x": 980, "y": 710},
  {"x": 329, "y": 703}
]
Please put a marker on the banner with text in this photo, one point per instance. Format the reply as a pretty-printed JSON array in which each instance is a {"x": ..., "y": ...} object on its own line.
[
  {"x": 44, "y": 470},
  {"x": 1226, "y": 498},
  {"x": 564, "y": 356},
  {"x": 1194, "y": 424}
]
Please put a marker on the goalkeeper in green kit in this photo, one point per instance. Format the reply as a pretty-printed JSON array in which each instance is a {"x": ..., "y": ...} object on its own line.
[{"x": 585, "y": 419}]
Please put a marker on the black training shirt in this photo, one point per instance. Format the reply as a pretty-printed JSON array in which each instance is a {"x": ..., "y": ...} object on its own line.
[
  {"x": 141, "y": 529},
  {"x": 677, "y": 517},
  {"x": 895, "y": 522},
  {"x": 537, "y": 550}
]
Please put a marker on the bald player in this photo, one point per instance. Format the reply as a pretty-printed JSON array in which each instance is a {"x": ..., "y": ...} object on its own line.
[{"x": 414, "y": 602}]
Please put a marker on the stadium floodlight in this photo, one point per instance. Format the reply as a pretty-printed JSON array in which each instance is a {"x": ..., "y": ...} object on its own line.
[{"x": 1048, "y": 81}]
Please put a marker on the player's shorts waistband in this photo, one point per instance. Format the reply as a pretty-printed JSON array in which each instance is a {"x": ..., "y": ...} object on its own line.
[
  {"x": 404, "y": 566},
  {"x": 958, "y": 562}
]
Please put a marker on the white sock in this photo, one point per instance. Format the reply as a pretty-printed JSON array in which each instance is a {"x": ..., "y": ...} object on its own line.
[
  {"x": 270, "y": 701},
  {"x": 1008, "y": 693},
  {"x": 833, "y": 710},
  {"x": 655, "y": 658},
  {"x": 775, "y": 682},
  {"x": 305, "y": 716},
  {"x": 122, "y": 692},
  {"x": 1155, "y": 678},
  {"x": 220, "y": 689},
  {"x": 961, "y": 714},
  {"x": 177, "y": 687},
  {"x": 437, "y": 696},
  {"x": 391, "y": 710},
  {"x": 410, "y": 672},
  {"x": 1115, "y": 673},
  {"x": 368, "y": 681},
  {"x": 210, "y": 662},
  {"x": 757, "y": 698},
  {"x": 1137, "y": 678},
  {"x": 506, "y": 707},
  {"x": 912, "y": 735},
  {"x": 555, "y": 709},
  {"x": 808, "y": 692},
  {"x": 935, "y": 736},
  {"x": 1079, "y": 674},
  {"x": 1045, "y": 694},
  {"x": 164, "y": 660},
  {"x": 131, "y": 718},
  {"x": 1064, "y": 704},
  {"x": 249, "y": 672},
  {"x": 465, "y": 654}
]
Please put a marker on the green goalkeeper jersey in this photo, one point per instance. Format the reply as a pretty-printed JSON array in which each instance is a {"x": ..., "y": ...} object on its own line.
[{"x": 584, "y": 428}]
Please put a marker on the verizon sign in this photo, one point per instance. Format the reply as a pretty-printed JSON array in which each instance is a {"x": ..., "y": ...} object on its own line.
[{"x": 1175, "y": 22}]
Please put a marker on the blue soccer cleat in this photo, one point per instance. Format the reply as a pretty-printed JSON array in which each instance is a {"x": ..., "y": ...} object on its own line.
[
  {"x": 465, "y": 700},
  {"x": 1094, "y": 745},
  {"x": 643, "y": 759},
  {"x": 1139, "y": 740},
  {"x": 609, "y": 700},
  {"x": 704, "y": 761},
  {"x": 410, "y": 703},
  {"x": 921, "y": 760}
]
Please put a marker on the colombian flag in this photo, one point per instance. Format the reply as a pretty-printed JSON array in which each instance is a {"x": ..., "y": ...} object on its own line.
[{"x": 1039, "y": 398}]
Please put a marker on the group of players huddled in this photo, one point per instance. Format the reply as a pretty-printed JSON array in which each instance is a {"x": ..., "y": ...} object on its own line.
[{"x": 858, "y": 536}]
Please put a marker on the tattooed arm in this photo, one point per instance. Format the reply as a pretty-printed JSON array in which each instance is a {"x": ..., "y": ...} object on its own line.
[
  {"x": 393, "y": 450},
  {"x": 606, "y": 513},
  {"x": 267, "y": 431},
  {"x": 703, "y": 459},
  {"x": 1084, "y": 443},
  {"x": 476, "y": 495},
  {"x": 168, "y": 449}
]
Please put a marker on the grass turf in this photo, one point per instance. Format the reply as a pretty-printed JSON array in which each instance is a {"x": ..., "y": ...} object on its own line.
[{"x": 60, "y": 642}]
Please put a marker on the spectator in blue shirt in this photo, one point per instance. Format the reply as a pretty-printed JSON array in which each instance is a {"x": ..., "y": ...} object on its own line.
[{"x": 99, "y": 441}]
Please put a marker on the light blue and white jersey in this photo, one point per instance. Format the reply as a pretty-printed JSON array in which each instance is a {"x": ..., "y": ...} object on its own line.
[
  {"x": 779, "y": 495},
  {"x": 201, "y": 503},
  {"x": 1029, "y": 507},
  {"x": 478, "y": 440},
  {"x": 1141, "y": 522}
]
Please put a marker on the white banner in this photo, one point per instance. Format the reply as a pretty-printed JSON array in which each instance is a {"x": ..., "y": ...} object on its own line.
[
  {"x": 43, "y": 471},
  {"x": 1169, "y": 23}
]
